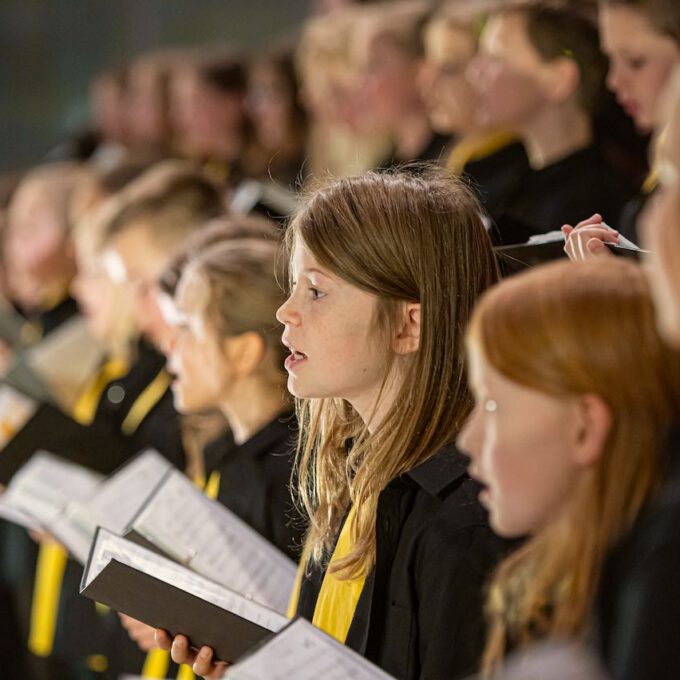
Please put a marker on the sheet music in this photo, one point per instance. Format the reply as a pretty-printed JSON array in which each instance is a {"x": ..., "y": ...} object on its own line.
[
  {"x": 112, "y": 505},
  {"x": 304, "y": 652},
  {"x": 119, "y": 498},
  {"x": 46, "y": 484},
  {"x": 15, "y": 411},
  {"x": 203, "y": 534},
  {"x": 16, "y": 516},
  {"x": 110, "y": 547}
]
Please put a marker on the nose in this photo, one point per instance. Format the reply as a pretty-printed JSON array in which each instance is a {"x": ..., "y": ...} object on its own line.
[
  {"x": 170, "y": 342},
  {"x": 469, "y": 439},
  {"x": 613, "y": 77},
  {"x": 286, "y": 313}
]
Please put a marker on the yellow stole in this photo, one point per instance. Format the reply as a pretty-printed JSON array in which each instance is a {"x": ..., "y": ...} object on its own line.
[
  {"x": 338, "y": 598},
  {"x": 475, "y": 148},
  {"x": 52, "y": 558}
]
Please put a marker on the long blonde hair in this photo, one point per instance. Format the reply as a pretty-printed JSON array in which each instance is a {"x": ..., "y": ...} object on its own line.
[
  {"x": 403, "y": 237},
  {"x": 566, "y": 330}
]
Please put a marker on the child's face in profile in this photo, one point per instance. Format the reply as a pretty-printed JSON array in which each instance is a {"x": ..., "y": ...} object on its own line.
[
  {"x": 38, "y": 250},
  {"x": 641, "y": 61},
  {"x": 196, "y": 358},
  {"x": 447, "y": 93},
  {"x": 139, "y": 261},
  {"x": 99, "y": 298},
  {"x": 521, "y": 444},
  {"x": 331, "y": 330},
  {"x": 508, "y": 75}
]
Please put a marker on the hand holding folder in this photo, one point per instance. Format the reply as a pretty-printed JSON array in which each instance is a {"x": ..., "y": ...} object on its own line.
[{"x": 151, "y": 588}]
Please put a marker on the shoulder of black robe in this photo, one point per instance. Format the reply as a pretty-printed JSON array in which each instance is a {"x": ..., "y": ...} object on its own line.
[
  {"x": 50, "y": 319},
  {"x": 565, "y": 192},
  {"x": 628, "y": 224},
  {"x": 255, "y": 482},
  {"x": 420, "y": 614},
  {"x": 103, "y": 445},
  {"x": 496, "y": 177},
  {"x": 637, "y": 608}
]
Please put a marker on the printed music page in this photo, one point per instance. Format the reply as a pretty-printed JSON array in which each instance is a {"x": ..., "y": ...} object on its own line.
[
  {"x": 304, "y": 652},
  {"x": 210, "y": 539}
]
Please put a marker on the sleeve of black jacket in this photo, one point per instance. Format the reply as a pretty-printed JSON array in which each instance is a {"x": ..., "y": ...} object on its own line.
[{"x": 451, "y": 574}]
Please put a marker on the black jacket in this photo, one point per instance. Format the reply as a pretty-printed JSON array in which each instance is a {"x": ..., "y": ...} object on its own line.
[
  {"x": 637, "y": 610},
  {"x": 566, "y": 192},
  {"x": 420, "y": 613},
  {"x": 255, "y": 481},
  {"x": 103, "y": 445}
]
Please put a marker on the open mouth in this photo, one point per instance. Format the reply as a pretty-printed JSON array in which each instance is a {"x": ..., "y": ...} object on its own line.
[{"x": 294, "y": 359}]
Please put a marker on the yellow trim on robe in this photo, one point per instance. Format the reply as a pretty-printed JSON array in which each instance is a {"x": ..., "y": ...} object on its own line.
[
  {"x": 52, "y": 558},
  {"x": 48, "y": 580},
  {"x": 49, "y": 573},
  {"x": 212, "y": 488},
  {"x": 297, "y": 587},
  {"x": 652, "y": 180},
  {"x": 185, "y": 673},
  {"x": 86, "y": 405},
  {"x": 145, "y": 402},
  {"x": 338, "y": 598},
  {"x": 475, "y": 148}
]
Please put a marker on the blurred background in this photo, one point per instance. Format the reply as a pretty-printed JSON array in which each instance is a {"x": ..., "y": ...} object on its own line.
[{"x": 51, "y": 49}]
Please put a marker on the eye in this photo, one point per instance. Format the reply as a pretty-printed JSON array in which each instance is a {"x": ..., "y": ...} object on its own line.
[
  {"x": 637, "y": 63},
  {"x": 316, "y": 293}
]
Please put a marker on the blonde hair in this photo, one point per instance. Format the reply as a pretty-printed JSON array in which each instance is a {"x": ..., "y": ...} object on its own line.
[
  {"x": 565, "y": 330},
  {"x": 172, "y": 199},
  {"x": 403, "y": 237},
  {"x": 244, "y": 291}
]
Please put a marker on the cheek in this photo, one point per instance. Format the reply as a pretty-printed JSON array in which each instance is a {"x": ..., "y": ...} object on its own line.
[{"x": 529, "y": 476}]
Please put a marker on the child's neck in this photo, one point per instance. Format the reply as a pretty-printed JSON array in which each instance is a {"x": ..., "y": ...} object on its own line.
[
  {"x": 555, "y": 133},
  {"x": 374, "y": 405},
  {"x": 258, "y": 403}
]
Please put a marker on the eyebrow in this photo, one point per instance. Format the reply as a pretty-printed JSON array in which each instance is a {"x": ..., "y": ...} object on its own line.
[{"x": 311, "y": 270}]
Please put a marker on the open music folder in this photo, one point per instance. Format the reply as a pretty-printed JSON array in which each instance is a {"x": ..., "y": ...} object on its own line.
[
  {"x": 112, "y": 504},
  {"x": 46, "y": 484},
  {"x": 70, "y": 501},
  {"x": 304, "y": 652},
  {"x": 180, "y": 521},
  {"x": 152, "y": 588}
]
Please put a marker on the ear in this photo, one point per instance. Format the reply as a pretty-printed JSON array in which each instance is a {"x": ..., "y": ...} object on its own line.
[
  {"x": 408, "y": 337},
  {"x": 562, "y": 80},
  {"x": 593, "y": 424},
  {"x": 245, "y": 352}
]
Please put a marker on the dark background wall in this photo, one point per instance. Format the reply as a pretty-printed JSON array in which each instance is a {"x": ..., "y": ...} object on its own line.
[{"x": 49, "y": 50}]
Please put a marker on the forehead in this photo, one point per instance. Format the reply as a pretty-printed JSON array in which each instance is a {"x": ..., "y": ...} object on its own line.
[
  {"x": 301, "y": 257},
  {"x": 505, "y": 29},
  {"x": 624, "y": 26}
]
